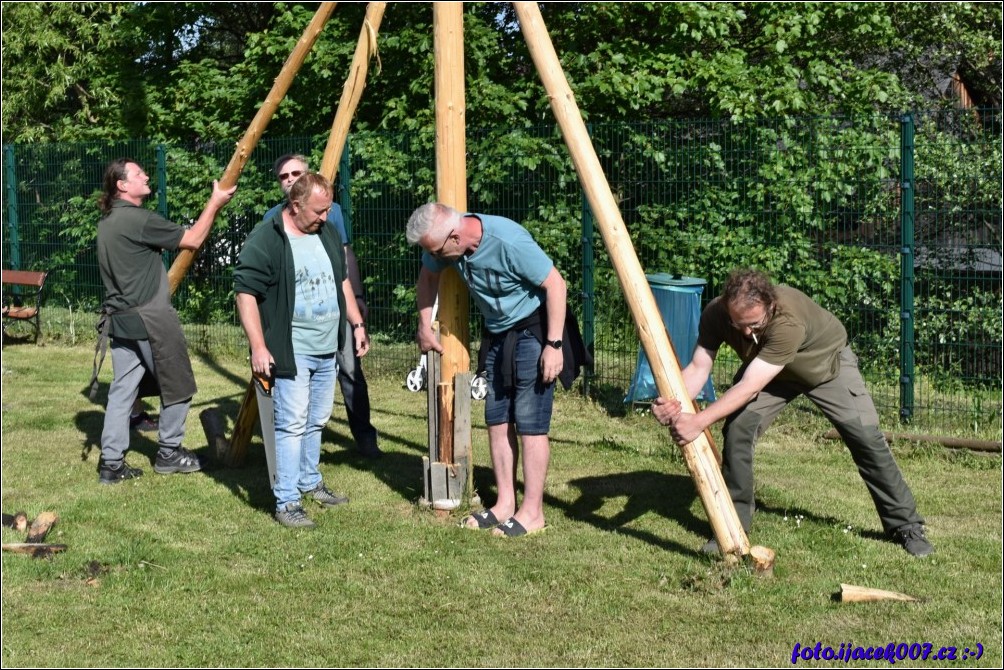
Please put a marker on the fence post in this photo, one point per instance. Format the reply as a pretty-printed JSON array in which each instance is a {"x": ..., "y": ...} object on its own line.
[
  {"x": 588, "y": 291},
  {"x": 161, "y": 153},
  {"x": 12, "y": 219},
  {"x": 344, "y": 189},
  {"x": 906, "y": 215}
]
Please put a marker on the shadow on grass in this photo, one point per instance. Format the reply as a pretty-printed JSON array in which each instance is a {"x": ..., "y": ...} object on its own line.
[{"x": 667, "y": 495}]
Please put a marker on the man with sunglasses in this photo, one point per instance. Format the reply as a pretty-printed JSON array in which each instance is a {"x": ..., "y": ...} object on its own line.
[
  {"x": 351, "y": 380},
  {"x": 789, "y": 346}
]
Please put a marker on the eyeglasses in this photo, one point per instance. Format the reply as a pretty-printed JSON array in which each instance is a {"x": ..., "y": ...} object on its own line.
[
  {"x": 759, "y": 325},
  {"x": 286, "y": 175},
  {"x": 768, "y": 312},
  {"x": 439, "y": 252}
]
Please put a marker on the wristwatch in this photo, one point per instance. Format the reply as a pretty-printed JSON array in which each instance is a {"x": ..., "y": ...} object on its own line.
[{"x": 554, "y": 343}]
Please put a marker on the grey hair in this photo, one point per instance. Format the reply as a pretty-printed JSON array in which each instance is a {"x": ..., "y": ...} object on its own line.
[{"x": 429, "y": 216}]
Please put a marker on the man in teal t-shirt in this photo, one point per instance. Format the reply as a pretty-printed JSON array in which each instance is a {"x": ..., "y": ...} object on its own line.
[{"x": 521, "y": 296}]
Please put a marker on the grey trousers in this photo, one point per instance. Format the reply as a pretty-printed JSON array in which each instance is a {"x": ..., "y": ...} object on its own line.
[
  {"x": 130, "y": 361},
  {"x": 845, "y": 401},
  {"x": 355, "y": 393}
]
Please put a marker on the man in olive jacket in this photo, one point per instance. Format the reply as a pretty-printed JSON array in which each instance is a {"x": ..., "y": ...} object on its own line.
[{"x": 789, "y": 346}]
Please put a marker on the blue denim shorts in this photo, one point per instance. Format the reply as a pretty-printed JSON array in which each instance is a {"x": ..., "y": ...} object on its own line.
[{"x": 528, "y": 403}]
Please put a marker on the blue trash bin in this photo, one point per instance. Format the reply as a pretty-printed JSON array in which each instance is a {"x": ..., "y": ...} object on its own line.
[{"x": 679, "y": 302}]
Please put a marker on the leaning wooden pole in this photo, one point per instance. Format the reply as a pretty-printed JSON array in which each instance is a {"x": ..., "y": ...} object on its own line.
[
  {"x": 352, "y": 91},
  {"x": 186, "y": 257},
  {"x": 247, "y": 416},
  {"x": 699, "y": 454}
]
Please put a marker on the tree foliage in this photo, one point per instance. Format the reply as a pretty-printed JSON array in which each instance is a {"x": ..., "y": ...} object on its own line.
[{"x": 183, "y": 71}]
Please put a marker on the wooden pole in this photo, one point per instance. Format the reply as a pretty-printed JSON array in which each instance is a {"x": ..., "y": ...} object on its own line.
[
  {"x": 451, "y": 178},
  {"x": 186, "y": 257},
  {"x": 451, "y": 189},
  {"x": 352, "y": 91},
  {"x": 849, "y": 593},
  {"x": 700, "y": 455}
]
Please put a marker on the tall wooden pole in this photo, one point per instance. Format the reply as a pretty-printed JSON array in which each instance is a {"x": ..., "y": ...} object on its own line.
[
  {"x": 448, "y": 469},
  {"x": 451, "y": 177},
  {"x": 186, "y": 257},
  {"x": 699, "y": 454},
  {"x": 352, "y": 91}
]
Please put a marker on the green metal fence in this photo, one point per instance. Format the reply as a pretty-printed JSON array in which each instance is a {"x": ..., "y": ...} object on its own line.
[{"x": 892, "y": 223}]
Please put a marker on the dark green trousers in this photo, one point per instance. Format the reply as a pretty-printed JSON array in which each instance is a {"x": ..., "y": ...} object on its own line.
[{"x": 847, "y": 404}]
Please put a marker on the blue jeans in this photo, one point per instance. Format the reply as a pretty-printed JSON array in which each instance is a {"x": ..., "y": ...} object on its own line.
[
  {"x": 528, "y": 403},
  {"x": 302, "y": 406}
]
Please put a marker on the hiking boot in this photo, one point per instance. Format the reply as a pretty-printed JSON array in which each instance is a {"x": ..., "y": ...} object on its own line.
[
  {"x": 293, "y": 516},
  {"x": 911, "y": 538},
  {"x": 326, "y": 497},
  {"x": 109, "y": 474},
  {"x": 180, "y": 460},
  {"x": 143, "y": 422}
]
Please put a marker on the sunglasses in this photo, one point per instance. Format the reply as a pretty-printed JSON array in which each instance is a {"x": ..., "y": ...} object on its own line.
[
  {"x": 286, "y": 175},
  {"x": 438, "y": 254}
]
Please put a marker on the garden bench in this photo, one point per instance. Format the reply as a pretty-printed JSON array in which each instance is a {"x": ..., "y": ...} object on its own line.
[{"x": 22, "y": 299}]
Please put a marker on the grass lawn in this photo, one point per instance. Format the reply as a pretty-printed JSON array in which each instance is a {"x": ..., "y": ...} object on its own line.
[{"x": 191, "y": 570}]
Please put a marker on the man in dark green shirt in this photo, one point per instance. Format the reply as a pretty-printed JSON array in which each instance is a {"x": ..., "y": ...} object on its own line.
[
  {"x": 789, "y": 346},
  {"x": 147, "y": 342}
]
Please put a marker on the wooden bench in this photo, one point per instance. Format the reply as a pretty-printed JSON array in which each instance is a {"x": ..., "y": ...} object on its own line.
[{"x": 22, "y": 300}]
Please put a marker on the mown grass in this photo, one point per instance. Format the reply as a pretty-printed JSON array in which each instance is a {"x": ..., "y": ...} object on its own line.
[{"x": 191, "y": 570}]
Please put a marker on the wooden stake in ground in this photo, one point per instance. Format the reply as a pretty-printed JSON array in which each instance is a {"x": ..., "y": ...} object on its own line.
[
  {"x": 762, "y": 561},
  {"x": 850, "y": 593},
  {"x": 700, "y": 455}
]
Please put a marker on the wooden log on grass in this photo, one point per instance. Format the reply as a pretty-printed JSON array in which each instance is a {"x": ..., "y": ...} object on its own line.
[
  {"x": 41, "y": 526},
  {"x": 18, "y": 521},
  {"x": 849, "y": 593},
  {"x": 945, "y": 441},
  {"x": 700, "y": 455},
  {"x": 34, "y": 549}
]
